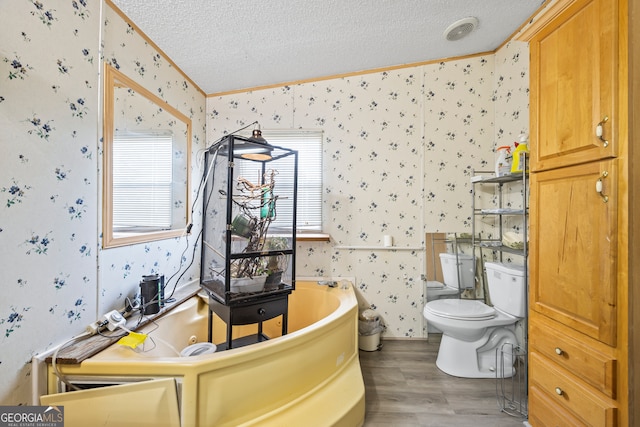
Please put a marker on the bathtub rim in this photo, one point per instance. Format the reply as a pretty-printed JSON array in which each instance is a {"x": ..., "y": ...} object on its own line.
[
  {"x": 347, "y": 303},
  {"x": 79, "y": 352}
]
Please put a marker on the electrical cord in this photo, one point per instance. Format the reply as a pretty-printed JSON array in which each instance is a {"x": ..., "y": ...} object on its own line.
[
  {"x": 152, "y": 339},
  {"x": 203, "y": 181},
  {"x": 73, "y": 340},
  {"x": 112, "y": 335},
  {"x": 61, "y": 376},
  {"x": 193, "y": 254}
]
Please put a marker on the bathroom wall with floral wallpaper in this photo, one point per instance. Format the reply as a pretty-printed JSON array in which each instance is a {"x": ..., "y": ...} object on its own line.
[
  {"x": 399, "y": 149},
  {"x": 512, "y": 120},
  {"x": 56, "y": 276},
  {"x": 121, "y": 268}
]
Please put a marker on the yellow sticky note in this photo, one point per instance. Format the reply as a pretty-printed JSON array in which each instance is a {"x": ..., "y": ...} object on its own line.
[{"x": 132, "y": 340}]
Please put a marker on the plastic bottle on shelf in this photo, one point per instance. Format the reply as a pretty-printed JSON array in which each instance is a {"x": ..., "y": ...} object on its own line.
[
  {"x": 521, "y": 147},
  {"x": 503, "y": 164}
]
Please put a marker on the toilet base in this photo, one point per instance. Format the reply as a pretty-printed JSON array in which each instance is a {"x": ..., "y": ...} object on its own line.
[{"x": 477, "y": 359}]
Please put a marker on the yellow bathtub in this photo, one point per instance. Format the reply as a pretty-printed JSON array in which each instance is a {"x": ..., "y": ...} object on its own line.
[{"x": 309, "y": 377}]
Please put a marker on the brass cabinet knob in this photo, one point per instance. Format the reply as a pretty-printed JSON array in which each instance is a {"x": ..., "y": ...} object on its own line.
[
  {"x": 600, "y": 131},
  {"x": 599, "y": 186}
]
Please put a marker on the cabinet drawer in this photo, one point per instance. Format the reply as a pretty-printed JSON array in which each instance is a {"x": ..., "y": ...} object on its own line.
[
  {"x": 259, "y": 312},
  {"x": 545, "y": 412},
  {"x": 567, "y": 392},
  {"x": 593, "y": 367}
]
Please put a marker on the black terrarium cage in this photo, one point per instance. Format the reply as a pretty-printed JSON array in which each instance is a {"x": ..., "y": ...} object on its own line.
[{"x": 249, "y": 223}]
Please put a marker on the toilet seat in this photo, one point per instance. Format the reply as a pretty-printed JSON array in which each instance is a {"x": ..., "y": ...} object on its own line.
[
  {"x": 461, "y": 309},
  {"x": 433, "y": 284},
  {"x": 438, "y": 289}
]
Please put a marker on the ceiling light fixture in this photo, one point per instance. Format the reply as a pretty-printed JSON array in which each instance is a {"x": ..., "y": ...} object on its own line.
[{"x": 460, "y": 28}]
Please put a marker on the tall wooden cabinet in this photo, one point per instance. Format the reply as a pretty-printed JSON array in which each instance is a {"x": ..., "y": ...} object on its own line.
[
  {"x": 579, "y": 364},
  {"x": 573, "y": 85}
]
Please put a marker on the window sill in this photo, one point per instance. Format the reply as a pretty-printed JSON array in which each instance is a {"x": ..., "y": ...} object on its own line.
[{"x": 313, "y": 237}]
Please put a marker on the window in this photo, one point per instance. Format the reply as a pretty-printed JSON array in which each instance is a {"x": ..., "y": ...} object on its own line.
[
  {"x": 142, "y": 181},
  {"x": 308, "y": 143}
]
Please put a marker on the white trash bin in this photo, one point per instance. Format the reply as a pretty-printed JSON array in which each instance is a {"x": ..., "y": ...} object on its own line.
[{"x": 369, "y": 330}]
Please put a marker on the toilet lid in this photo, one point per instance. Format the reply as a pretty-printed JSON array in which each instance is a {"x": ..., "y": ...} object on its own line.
[
  {"x": 432, "y": 284},
  {"x": 462, "y": 309}
]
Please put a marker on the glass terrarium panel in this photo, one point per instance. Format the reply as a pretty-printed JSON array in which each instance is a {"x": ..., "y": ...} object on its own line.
[
  {"x": 214, "y": 233},
  {"x": 249, "y": 220}
]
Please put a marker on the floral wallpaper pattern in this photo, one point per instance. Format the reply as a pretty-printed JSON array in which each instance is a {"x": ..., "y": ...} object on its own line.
[
  {"x": 57, "y": 279},
  {"x": 399, "y": 149},
  {"x": 48, "y": 240},
  {"x": 512, "y": 117},
  {"x": 122, "y": 268}
]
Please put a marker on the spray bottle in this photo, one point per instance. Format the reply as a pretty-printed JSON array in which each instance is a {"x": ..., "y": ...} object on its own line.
[{"x": 503, "y": 164}]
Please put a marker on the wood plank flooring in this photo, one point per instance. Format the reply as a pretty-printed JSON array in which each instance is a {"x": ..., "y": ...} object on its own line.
[{"x": 404, "y": 388}]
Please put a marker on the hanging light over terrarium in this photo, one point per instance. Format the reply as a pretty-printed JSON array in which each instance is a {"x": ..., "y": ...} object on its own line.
[{"x": 259, "y": 149}]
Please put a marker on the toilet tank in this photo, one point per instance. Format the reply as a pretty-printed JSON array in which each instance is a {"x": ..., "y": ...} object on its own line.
[
  {"x": 464, "y": 263},
  {"x": 507, "y": 287}
]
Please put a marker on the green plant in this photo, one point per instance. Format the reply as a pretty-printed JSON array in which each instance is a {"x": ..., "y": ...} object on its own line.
[{"x": 277, "y": 262}]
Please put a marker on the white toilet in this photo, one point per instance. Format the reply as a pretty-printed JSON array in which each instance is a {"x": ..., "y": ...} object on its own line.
[
  {"x": 472, "y": 331},
  {"x": 455, "y": 280}
]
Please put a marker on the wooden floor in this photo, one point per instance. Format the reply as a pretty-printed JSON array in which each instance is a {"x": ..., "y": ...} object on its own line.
[{"x": 404, "y": 388}]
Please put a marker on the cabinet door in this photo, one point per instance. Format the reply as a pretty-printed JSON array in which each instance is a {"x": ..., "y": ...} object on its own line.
[
  {"x": 573, "y": 247},
  {"x": 573, "y": 68}
]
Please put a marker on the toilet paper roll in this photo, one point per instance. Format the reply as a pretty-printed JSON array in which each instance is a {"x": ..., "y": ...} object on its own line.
[{"x": 388, "y": 241}]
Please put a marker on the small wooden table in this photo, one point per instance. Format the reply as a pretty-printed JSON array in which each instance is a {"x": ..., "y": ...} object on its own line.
[{"x": 256, "y": 308}]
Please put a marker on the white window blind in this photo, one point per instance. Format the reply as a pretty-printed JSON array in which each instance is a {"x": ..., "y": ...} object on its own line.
[
  {"x": 308, "y": 143},
  {"x": 142, "y": 181}
]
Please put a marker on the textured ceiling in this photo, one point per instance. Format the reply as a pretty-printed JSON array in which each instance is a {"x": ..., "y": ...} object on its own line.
[{"x": 226, "y": 45}]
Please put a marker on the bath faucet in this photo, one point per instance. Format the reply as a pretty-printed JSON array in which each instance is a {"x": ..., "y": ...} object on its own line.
[
  {"x": 329, "y": 283},
  {"x": 344, "y": 284}
]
